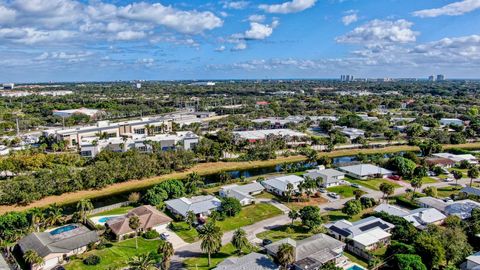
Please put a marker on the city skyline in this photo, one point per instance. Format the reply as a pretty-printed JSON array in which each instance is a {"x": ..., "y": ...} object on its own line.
[{"x": 66, "y": 40}]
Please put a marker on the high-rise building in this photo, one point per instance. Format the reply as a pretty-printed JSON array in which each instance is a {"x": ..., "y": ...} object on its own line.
[
  {"x": 440, "y": 77},
  {"x": 431, "y": 78},
  {"x": 8, "y": 86},
  {"x": 346, "y": 78}
]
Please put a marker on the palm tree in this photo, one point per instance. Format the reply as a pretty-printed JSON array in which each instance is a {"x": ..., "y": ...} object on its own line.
[
  {"x": 134, "y": 224},
  {"x": 166, "y": 250},
  {"x": 142, "y": 262},
  {"x": 239, "y": 240},
  {"x": 286, "y": 255},
  {"x": 457, "y": 175},
  {"x": 211, "y": 236},
  {"x": 190, "y": 219},
  {"x": 36, "y": 218},
  {"x": 150, "y": 129},
  {"x": 32, "y": 257},
  {"x": 289, "y": 191},
  {"x": 84, "y": 207},
  {"x": 473, "y": 173},
  {"x": 193, "y": 181},
  {"x": 293, "y": 214},
  {"x": 416, "y": 182},
  {"x": 54, "y": 215},
  {"x": 386, "y": 189}
]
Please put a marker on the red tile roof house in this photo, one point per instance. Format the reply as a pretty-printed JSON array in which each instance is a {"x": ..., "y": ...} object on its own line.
[{"x": 150, "y": 219}]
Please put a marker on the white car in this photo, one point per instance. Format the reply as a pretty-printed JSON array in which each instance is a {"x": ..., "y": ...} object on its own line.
[
  {"x": 334, "y": 195},
  {"x": 449, "y": 180}
]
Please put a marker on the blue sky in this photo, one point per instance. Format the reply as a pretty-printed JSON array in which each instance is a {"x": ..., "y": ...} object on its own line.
[{"x": 73, "y": 40}]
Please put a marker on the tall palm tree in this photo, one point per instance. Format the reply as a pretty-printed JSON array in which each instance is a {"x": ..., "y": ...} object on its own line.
[
  {"x": 32, "y": 257},
  {"x": 239, "y": 240},
  {"x": 289, "y": 191},
  {"x": 142, "y": 262},
  {"x": 193, "y": 181},
  {"x": 84, "y": 207},
  {"x": 473, "y": 173},
  {"x": 166, "y": 250},
  {"x": 134, "y": 224},
  {"x": 457, "y": 175},
  {"x": 54, "y": 215},
  {"x": 293, "y": 215},
  {"x": 211, "y": 236},
  {"x": 286, "y": 255},
  {"x": 416, "y": 182},
  {"x": 36, "y": 218}
]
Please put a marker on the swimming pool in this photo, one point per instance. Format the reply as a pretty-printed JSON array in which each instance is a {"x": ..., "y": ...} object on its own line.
[
  {"x": 355, "y": 267},
  {"x": 64, "y": 229},
  {"x": 105, "y": 219}
]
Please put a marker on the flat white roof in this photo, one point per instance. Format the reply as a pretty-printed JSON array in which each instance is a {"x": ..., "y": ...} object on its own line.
[
  {"x": 264, "y": 133},
  {"x": 365, "y": 169},
  {"x": 371, "y": 237}
]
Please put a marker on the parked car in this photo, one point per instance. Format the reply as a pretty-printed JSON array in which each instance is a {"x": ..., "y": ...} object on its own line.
[
  {"x": 355, "y": 185},
  {"x": 164, "y": 236},
  {"x": 449, "y": 179},
  {"x": 322, "y": 190},
  {"x": 334, "y": 195},
  {"x": 395, "y": 177},
  {"x": 266, "y": 242}
]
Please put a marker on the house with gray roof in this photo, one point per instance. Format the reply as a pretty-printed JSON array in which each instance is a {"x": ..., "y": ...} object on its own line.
[
  {"x": 313, "y": 252},
  {"x": 278, "y": 185},
  {"x": 461, "y": 208},
  {"x": 471, "y": 191},
  {"x": 473, "y": 262},
  {"x": 56, "y": 245},
  {"x": 252, "y": 261},
  {"x": 330, "y": 177},
  {"x": 243, "y": 193},
  {"x": 419, "y": 218},
  {"x": 200, "y": 205},
  {"x": 365, "y": 171},
  {"x": 362, "y": 236}
]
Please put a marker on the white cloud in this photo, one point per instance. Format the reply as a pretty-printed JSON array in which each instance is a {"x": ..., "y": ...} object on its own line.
[
  {"x": 129, "y": 35},
  {"x": 260, "y": 31},
  {"x": 288, "y": 7},
  {"x": 256, "y": 18},
  {"x": 378, "y": 31},
  {"x": 7, "y": 15},
  {"x": 29, "y": 35},
  {"x": 236, "y": 4},
  {"x": 453, "y": 9},
  {"x": 240, "y": 46},
  {"x": 466, "y": 48},
  {"x": 351, "y": 17},
  {"x": 220, "y": 49}
]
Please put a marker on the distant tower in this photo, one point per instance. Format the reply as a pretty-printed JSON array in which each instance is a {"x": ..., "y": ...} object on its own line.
[
  {"x": 431, "y": 78},
  {"x": 440, "y": 77}
]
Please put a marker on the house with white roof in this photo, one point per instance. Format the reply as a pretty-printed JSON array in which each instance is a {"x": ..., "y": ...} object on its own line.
[
  {"x": 365, "y": 171},
  {"x": 291, "y": 137},
  {"x": 201, "y": 206},
  {"x": 451, "y": 121},
  {"x": 312, "y": 252},
  {"x": 352, "y": 133},
  {"x": 330, "y": 177},
  {"x": 252, "y": 261},
  {"x": 279, "y": 185},
  {"x": 243, "y": 193},
  {"x": 457, "y": 158},
  {"x": 419, "y": 218},
  {"x": 473, "y": 262},
  {"x": 362, "y": 236},
  {"x": 461, "y": 208}
]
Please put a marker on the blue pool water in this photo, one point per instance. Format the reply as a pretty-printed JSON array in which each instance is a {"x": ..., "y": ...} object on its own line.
[
  {"x": 104, "y": 219},
  {"x": 63, "y": 229},
  {"x": 355, "y": 267}
]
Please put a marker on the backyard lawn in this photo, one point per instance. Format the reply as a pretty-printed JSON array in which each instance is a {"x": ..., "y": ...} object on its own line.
[
  {"x": 332, "y": 216},
  {"x": 344, "y": 190},
  {"x": 201, "y": 263},
  {"x": 117, "y": 211},
  {"x": 296, "y": 205},
  {"x": 447, "y": 191},
  {"x": 372, "y": 183},
  {"x": 115, "y": 257},
  {"x": 249, "y": 215},
  {"x": 297, "y": 232},
  {"x": 354, "y": 258}
]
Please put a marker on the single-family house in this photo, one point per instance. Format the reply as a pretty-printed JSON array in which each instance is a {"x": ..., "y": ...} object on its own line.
[
  {"x": 330, "y": 177},
  {"x": 55, "y": 246},
  {"x": 365, "y": 171},
  {"x": 419, "y": 218},
  {"x": 362, "y": 236},
  {"x": 352, "y": 133},
  {"x": 291, "y": 137},
  {"x": 451, "y": 121},
  {"x": 439, "y": 161},
  {"x": 461, "y": 208},
  {"x": 201, "y": 206},
  {"x": 473, "y": 262},
  {"x": 313, "y": 252},
  {"x": 458, "y": 158},
  {"x": 471, "y": 191},
  {"x": 279, "y": 185},
  {"x": 150, "y": 219},
  {"x": 252, "y": 261},
  {"x": 243, "y": 193}
]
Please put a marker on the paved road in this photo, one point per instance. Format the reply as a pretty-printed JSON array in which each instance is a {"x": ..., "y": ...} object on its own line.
[{"x": 193, "y": 250}]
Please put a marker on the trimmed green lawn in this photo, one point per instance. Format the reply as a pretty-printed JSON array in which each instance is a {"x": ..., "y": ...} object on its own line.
[
  {"x": 335, "y": 215},
  {"x": 117, "y": 211},
  {"x": 428, "y": 180},
  {"x": 297, "y": 232},
  {"x": 116, "y": 256},
  {"x": 354, "y": 258},
  {"x": 249, "y": 215},
  {"x": 447, "y": 191},
  {"x": 201, "y": 263},
  {"x": 373, "y": 183},
  {"x": 344, "y": 190}
]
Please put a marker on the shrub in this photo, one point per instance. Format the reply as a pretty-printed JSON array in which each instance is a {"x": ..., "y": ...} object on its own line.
[
  {"x": 152, "y": 234},
  {"x": 91, "y": 260}
]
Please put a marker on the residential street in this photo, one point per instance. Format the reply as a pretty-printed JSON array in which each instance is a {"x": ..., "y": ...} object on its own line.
[{"x": 193, "y": 250}]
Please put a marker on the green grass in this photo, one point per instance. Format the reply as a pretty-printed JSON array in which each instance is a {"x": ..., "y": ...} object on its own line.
[
  {"x": 115, "y": 256},
  {"x": 343, "y": 190},
  {"x": 335, "y": 215},
  {"x": 447, "y": 191},
  {"x": 117, "y": 211},
  {"x": 354, "y": 258},
  {"x": 249, "y": 215},
  {"x": 297, "y": 232},
  {"x": 428, "y": 180},
  {"x": 373, "y": 183},
  {"x": 201, "y": 263}
]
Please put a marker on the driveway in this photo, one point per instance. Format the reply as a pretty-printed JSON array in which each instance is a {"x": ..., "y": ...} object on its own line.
[{"x": 173, "y": 238}]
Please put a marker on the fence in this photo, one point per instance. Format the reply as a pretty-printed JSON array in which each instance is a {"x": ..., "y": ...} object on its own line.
[{"x": 109, "y": 207}]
